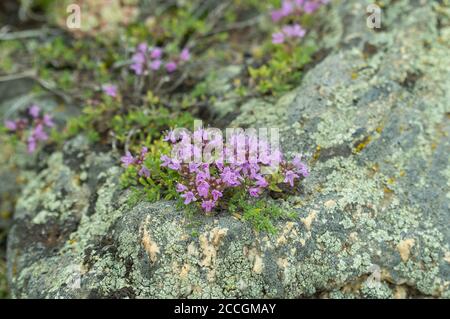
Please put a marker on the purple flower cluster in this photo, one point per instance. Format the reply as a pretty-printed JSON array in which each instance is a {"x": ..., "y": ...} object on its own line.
[
  {"x": 288, "y": 31},
  {"x": 110, "y": 90},
  {"x": 36, "y": 122},
  {"x": 290, "y": 8},
  {"x": 207, "y": 183},
  {"x": 137, "y": 161},
  {"x": 147, "y": 59}
]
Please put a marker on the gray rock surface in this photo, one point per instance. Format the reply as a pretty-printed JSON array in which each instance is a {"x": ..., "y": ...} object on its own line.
[{"x": 373, "y": 221}]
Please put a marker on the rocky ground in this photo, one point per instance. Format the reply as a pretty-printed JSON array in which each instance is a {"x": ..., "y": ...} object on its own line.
[{"x": 372, "y": 220}]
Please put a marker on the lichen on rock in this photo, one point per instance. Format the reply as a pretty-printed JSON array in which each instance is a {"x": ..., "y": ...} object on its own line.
[{"x": 372, "y": 221}]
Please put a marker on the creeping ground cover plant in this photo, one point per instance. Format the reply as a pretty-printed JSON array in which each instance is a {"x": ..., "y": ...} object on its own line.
[
  {"x": 289, "y": 49},
  {"x": 290, "y": 13},
  {"x": 240, "y": 177},
  {"x": 145, "y": 59}
]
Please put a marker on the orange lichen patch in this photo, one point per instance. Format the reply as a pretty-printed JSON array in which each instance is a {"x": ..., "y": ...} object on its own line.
[
  {"x": 237, "y": 216},
  {"x": 316, "y": 153},
  {"x": 373, "y": 170},
  {"x": 330, "y": 204},
  {"x": 150, "y": 246},
  {"x": 185, "y": 270},
  {"x": 282, "y": 263},
  {"x": 433, "y": 146},
  {"x": 363, "y": 144},
  {"x": 281, "y": 240},
  {"x": 184, "y": 237},
  {"x": 255, "y": 257},
  {"x": 379, "y": 129},
  {"x": 388, "y": 194},
  {"x": 386, "y": 276},
  {"x": 288, "y": 231},
  {"x": 387, "y": 190},
  {"x": 404, "y": 248},
  {"x": 209, "y": 244},
  {"x": 76, "y": 180},
  {"x": 307, "y": 221},
  {"x": 354, "y": 286},
  {"x": 258, "y": 266},
  {"x": 47, "y": 188},
  {"x": 197, "y": 289},
  {"x": 400, "y": 292},
  {"x": 353, "y": 237},
  {"x": 391, "y": 180}
]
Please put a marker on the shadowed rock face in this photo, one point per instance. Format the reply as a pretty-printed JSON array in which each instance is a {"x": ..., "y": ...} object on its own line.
[{"x": 373, "y": 221}]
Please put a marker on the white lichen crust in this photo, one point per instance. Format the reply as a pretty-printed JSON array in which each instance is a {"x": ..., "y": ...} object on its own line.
[{"x": 373, "y": 220}]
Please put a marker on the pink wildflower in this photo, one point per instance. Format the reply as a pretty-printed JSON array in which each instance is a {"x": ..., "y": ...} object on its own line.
[
  {"x": 171, "y": 66},
  {"x": 185, "y": 55},
  {"x": 155, "y": 65},
  {"x": 188, "y": 197},
  {"x": 127, "y": 160},
  {"x": 289, "y": 177},
  {"x": 254, "y": 191},
  {"x": 34, "y": 111},
  {"x": 277, "y": 38},
  {"x": 165, "y": 160},
  {"x": 203, "y": 189},
  {"x": 48, "y": 120},
  {"x": 208, "y": 205},
  {"x": 11, "y": 125},
  {"x": 110, "y": 90},
  {"x": 216, "y": 194},
  {"x": 181, "y": 188},
  {"x": 294, "y": 31},
  {"x": 31, "y": 145},
  {"x": 156, "y": 53},
  {"x": 144, "y": 171}
]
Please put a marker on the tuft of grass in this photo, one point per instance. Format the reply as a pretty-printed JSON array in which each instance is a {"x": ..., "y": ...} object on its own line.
[
  {"x": 160, "y": 185},
  {"x": 260, "y": 213}
]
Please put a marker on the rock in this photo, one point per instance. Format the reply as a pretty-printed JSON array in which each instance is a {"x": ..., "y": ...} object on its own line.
[{"x": 372, "y": 222}]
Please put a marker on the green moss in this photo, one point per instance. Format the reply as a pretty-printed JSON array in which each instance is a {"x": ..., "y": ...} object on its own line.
[
  {"x": 161, "y": 183},
  {"x": 260, "y": 213}
]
